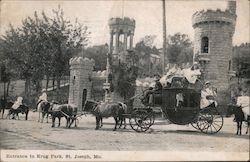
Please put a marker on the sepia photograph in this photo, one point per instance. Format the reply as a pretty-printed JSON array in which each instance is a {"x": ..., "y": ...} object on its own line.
[{"x": 125, "y": 80}]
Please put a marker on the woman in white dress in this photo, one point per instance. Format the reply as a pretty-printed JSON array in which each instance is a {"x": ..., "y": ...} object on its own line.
[
  {"x": 208, "y": 96},
  {"x": 17, "y": 103}
]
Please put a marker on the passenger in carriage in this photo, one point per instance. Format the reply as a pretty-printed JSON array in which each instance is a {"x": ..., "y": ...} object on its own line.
[
  {"x": 208, "y": 95},
  {"x": 192, "y": 74}
]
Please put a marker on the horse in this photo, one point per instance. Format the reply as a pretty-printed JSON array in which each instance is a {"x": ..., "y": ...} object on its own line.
[
  {"x": 2, "y": 105},
  {"x": 45, "y": 109},
  {"x": 21, "y": 109},
  {"x": 67, "y": 110},
  {"x": 122, "y": 118},
  {"x": 105, "y": 110},
  {"x": 239, "y": 117}
]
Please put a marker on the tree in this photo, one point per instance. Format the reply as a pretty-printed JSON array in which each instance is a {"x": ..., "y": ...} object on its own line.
[
  {"x": 143, "y": 49},
  {"x": 41, "y": 46},
  {"x": 241, "y": 60},
  {"x": 124, "y": 75},
  {"x": 99, "y": 54},
  {"x": 179, "y": 49}
]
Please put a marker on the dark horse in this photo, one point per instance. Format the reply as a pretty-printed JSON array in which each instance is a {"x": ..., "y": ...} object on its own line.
[
  {"x": 105, "y": 110},
  {"x": 45, "y": 109},
  {"x": 21, "y": 109},
  {"x": 2, "y": 105},
  {"x": 239, "y": 117},
  {"x": 66, "y": 110}
]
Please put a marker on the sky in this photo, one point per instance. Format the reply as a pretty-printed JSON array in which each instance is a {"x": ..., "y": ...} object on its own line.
[{"x": 147, "y": 13}]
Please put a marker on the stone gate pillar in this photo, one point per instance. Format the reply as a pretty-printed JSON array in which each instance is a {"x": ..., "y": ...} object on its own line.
[{"x": 80, "y": 80}]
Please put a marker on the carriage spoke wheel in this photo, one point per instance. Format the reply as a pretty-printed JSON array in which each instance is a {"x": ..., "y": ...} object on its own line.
[
  {"x": 141, "y": 120},
  {"x": 195, "y": 125},
  {"x": 209, "y": 122}
]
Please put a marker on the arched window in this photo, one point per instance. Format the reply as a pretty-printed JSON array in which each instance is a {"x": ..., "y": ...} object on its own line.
[{"x": 204, "y": 45}]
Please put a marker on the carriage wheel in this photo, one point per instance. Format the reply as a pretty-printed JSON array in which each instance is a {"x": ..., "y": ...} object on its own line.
[
  {"x": 209, "y": 121},
  {"x": 141, "y": 120},
  {"x": 195, "y": 125}
]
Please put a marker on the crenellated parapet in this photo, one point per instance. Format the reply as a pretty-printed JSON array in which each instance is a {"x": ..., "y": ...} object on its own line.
[
  {"x": 79, "y": 62},
  {"x": 213, "y": 16},
  {"x": 122, "y": 25}
]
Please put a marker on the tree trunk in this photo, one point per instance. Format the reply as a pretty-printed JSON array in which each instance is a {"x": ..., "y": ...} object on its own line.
[
  {"x": 53, "y": 83},
  {"x": 27, "y": 87},
  {"x": 58, "y": 83},
  {"x": 47, "y": 82},
  {"x": 8, "y": 87}
]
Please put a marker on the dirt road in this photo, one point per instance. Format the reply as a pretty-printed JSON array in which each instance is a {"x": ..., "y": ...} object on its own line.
[{"x": 21, "y": 134}]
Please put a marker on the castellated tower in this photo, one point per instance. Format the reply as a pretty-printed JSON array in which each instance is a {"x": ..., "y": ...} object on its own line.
[
  {"x": 120, "y": 30},
  {"x": 121, "y": 40},
  {"x": 80, "y": 81},
  {"x": 213, "y": 45}
]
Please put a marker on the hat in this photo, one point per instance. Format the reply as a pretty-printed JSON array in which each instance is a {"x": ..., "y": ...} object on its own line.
[
  {"x": 207, "y": 82},
  {"x": 157, "y": 77}
]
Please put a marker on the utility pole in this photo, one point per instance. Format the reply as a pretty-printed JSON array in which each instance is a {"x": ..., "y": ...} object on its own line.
[{"x": 164, "y": 37}]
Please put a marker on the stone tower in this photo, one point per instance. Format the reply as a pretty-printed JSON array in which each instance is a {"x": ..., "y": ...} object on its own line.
[
  {"x": 121, "y": 29},
  {"x": 213, "y": 45},
  {"x": 80, "y": 80},
  {"x": 121, "y": 40}
]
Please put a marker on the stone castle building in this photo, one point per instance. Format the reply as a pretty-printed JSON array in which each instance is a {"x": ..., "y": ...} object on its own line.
[{"x": 213, "y": 45}]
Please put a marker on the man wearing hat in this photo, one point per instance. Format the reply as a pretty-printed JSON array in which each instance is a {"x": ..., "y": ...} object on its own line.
[
  {"x": 158, "y": 85},
  {"x": 208, "y": 95}
]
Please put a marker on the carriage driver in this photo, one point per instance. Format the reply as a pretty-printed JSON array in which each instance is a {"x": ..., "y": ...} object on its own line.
[
  {"x": 149, "y": 93},
  {"x": 208, "y": 95},
  {"x": 43, "y": 97}
]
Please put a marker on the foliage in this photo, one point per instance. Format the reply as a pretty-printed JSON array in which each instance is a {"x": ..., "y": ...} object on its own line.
[
  {"x": 99, "y": 54},
  {"x": 143, "y": 50},
  {"x": 179, "y": 49},
  {"x": 241, "y": 60},
  {"x": 124, "y": 75},
  {"x": 41, "y": 46}
]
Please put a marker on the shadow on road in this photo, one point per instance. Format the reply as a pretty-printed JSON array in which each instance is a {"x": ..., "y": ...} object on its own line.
[{"x": 195, "y": 133}]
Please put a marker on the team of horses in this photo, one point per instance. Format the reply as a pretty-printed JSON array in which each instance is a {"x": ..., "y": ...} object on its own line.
[{"x": 99, "y": 109}]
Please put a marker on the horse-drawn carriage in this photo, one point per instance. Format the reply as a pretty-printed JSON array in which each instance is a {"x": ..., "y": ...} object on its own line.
[{"x": 181, "y": 105}]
